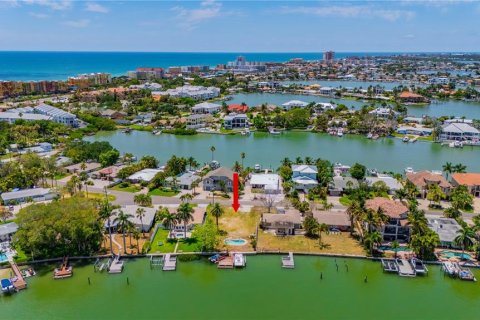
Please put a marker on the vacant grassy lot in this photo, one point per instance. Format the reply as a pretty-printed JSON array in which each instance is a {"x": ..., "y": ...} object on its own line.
[
  {"x": 130, "y": 188},
  {"x": 238, "y": 225},
  {"x": 163, "y": 192},
  {"x": 332, "y": 243}
]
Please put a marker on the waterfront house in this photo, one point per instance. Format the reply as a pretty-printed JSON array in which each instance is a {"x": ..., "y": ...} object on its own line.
[
  {"x": 459, "y": 132},
  {"x": 183, "y": 181},
  {"x": 206, "y": 108},
  {"x": 113, "y": 114},
  {"x": 235, "y": 121},
  {"x": 396, "y": 228},
  {"x": 7, "y": 230},
  {"x": 324, "y": 106},
  {"x": 447, "y": 230},
  {"x": 145, "y": 175},
  {"x": 423, "y": 180},
  {"x": 304, "y": 176},
  {"x": 77, "y": 168},
  {"x": 334, "y": 219},
  {"x": 267, "y": 183},
  {"x": 199, "y": 216},
  {"x": 212, "y": 180},
  {"x": 340, "y": 184},
  {"x": 391, "y": 183},
  {"x": 237, "y": 108},
  {"x": 417, "y": 130},
  {"x": 26, "y": 195},
  {"x": 189, "y": 91},
  {"x": 142, "y": 225},
  {"x": 327, "y": 91},
  {"x": 471, "y": 180},
  {"x": 385, "y": 113},
  {"x": 289, "y": 223},
  {"x": 196, "y": 121},
  {"x": 411, "y": 97},
  {"x": 294, "y": 104}
]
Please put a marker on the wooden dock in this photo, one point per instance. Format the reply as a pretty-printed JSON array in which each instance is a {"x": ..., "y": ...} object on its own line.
[
  {"x": 169, "y": 262},
  {"x": 18, "y": 282},
  {"x": 288, "y": 262},
  {"x": 226, "y": 263}
]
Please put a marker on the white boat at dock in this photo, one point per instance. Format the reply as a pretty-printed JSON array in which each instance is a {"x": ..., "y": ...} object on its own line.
[
  {"x": 274, "y": 131},
  {"x": 406, "y": 139},
  {"x": 414, "y": 139},
  {"x": 405, "y": 269},
  {"x": 115, "y": 265},
  {"x": 409, "y": 170},
  {"x": 288, "y": 262},
  {"x": 418, "y": 266}
]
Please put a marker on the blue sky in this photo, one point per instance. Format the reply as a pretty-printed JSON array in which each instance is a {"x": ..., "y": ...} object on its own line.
[{"x": 240, "y": 26}]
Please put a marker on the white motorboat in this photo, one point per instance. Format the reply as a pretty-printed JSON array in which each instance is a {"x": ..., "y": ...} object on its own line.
[
  {"x": 409, "y": 170},
  {"x": 239, "y": 260},
  {"x": 406, "y": 139}
]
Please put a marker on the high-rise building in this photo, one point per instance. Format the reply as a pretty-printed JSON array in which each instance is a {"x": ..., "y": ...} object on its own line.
[{"x": 328, "y": 56}]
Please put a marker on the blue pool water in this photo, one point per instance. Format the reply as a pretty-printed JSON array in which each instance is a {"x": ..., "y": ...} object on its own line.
[
  {"x": 236, "y": 242},
  {"x": 451, "y": 254},
  {"x": 3, "y": 258}
]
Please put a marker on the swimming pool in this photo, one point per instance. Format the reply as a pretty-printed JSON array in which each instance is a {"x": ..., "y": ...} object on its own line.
[
  {"x": 236, "y": 242},
  {"x": 452, "y": 254},
  {"x": 3, "y": 258}
]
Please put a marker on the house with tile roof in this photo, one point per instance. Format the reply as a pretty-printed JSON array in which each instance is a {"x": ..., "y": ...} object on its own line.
[
  {"x": 396, "y": 228},
  {"x": 423, "y": 180},
  {"x": 471, "y": 180}
]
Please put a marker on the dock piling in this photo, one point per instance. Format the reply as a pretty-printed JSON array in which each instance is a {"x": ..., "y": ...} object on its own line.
[
  {"x": 128, "y": 281},
  {"x": 88, "y": 280}
]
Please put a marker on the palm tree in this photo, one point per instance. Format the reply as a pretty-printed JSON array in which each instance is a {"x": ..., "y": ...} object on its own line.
[
  {"x": 447, "y": 168},
  {"x": 395, "y": 246},
  {"x": 136, "y": 236},
  {"x": 140, "y": 214},
  {"x": 217, "y": 211},
  {"x": 466, "y": 237},
  {"x": 88, "y": 183},
  {"x": 459, "y": 168},
  {"x": 186, "y": 197},
  {"x": 242, "y": 156},
  {"x": 298, "y": 160},
  {"x": 354, "y": 212},
  {"x": 168, "y": 220},
  {"x": 401, "y": 194},
  {"x": 105, "y": 213},
  {"x": 83, "y": 166},
  {"x": 371, "y": 240},
  {"x": 321, "y": 228},
  {"x": 122, "y": 220},
  {"x": 184, "y": 214},
  {"x": 237, "y": 167},
  {"x": 212, "y": 149},
  {"x": 308, "y": 160},
  {"x": 286, "y": 162},
  {"x": 190, "y": 162}
]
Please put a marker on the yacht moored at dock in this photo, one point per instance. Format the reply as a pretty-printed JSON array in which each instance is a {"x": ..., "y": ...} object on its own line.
[
  {"x": 240, "y": 260},
  {"x": 418, "y": 266}
]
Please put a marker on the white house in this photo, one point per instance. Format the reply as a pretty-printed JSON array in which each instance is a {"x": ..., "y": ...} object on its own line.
[
  {"x": 195, "y": 121},
  {"x": 57, "y": 115},
  {"x": 142, "y": 225},
  {"x": 143, "y": 175},
  {"x": 384, "y": 113},
  {"x": 459, "y": 132},
  {"x": 328, "y": 91},
  {"x": 235, "y": 121},
  {"x": 206, "y": 107},
  {"x": 269, "y": 182},
  {"x": 294, "y": 104},
  {"x": 35, "y": 194}
]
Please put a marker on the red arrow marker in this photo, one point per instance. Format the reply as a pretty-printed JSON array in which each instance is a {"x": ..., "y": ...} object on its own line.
[{"x": 235, "y": 203}]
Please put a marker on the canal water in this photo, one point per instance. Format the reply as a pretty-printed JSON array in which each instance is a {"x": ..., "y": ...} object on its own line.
[
  {"x": 387, "y": 154},
  {"x": 198, "y": 290},
  {"x": 470, "y": 110}
]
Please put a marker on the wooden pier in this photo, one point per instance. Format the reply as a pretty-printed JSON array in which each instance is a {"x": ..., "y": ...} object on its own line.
[
  {"x": 226, "y": 263},
  {"x": 169, "y": 262},
  {"x": 288, "y": 262},
  {"x": 18, "y": 282}
]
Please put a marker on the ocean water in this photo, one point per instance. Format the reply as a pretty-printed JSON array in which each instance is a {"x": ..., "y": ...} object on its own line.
[{"x": 44, "y": 65}]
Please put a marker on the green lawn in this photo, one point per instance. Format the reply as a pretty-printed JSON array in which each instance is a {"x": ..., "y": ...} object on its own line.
[
  {"x": 60, "y": 175},
  {"x": 161, "y": 244},
  {"x": 188, "y": 245},
  {"x": 131, "y": 188},
  {"x": 163, "y": 192},
  {"x": 345, "y": 200},
  {"x": 21, "y": 256},
  {"x": 139, "y": 127}
]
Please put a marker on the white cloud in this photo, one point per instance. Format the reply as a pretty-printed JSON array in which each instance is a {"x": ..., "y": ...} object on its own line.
[
  {"x": 191, "y": 18},
  {"x": 351, "y": 12},
  {"x": 38, "y": 15},
  {"x": 82, "y": 23},
  {"x": 52, "y": 4},
  {"x": 95, "y": 7}
]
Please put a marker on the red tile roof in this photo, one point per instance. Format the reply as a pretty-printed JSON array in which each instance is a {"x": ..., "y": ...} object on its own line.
[
  {"x": 468, "y": 179},
  {"x": 391, "y": 208},
  {"x": 238, "y": 108},
  {"x": 422, "y": 178}
]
